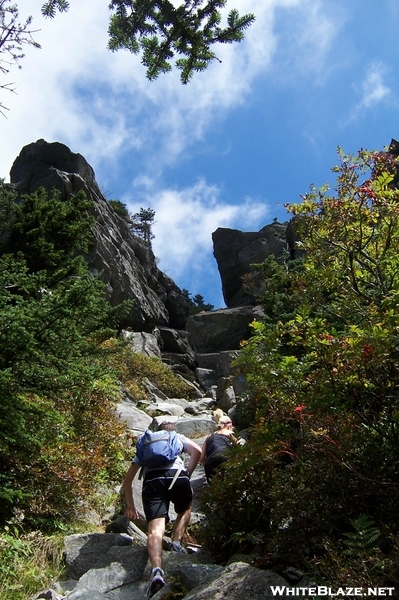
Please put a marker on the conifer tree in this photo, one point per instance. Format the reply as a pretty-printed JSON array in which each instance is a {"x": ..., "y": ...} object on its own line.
[
  {"x": 56, "y": 416},
  {"x": 160, "y": 31},
  {"x": 141, "y": 224}
]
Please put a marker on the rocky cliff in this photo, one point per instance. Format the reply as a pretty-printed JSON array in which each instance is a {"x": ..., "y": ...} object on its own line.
[
  {"x": 128, "y": 267},
  {"x": 236, "y": 250},
  {"x": 124, "y": 262}
]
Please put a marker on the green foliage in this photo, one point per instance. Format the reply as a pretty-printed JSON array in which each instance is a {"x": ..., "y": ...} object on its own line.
[
  {"x": 141, "y": 224},
  {"x": 156, "y": 29},
  {"x": 238, "y": 501},
  {"x": 197, "y": 303},
  {"x": 48, "y": 231},
  {"x": 28, "y": 562},
  {"x": 50, "y": 7},
  {"x": 120, "y": 209},
  {"x": 270, "y": 283},
  {"x": 159, "y": 30},
  {"x": 59, "y": 436},
  {"x": 323, "y": 408},
  {"x": 365, "y": 537},
  {"x": 133, "y": 369}
]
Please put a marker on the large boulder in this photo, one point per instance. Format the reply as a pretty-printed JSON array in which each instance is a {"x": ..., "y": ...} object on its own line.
[
  {"x": 235, "y": 251},
  {"x": 238, "y": 581},
  {"x": 223, "y": 329},
  {"x": 124, "y": 261},
  {"x": 83, "y": 550},
  {"x": 135, "y": 419},
  {"x": 118, "y": 567},
  {"x": 142, "y": 342}
]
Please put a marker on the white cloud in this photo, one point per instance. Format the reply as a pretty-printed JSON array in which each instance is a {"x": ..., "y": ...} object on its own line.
[
  {"x": 100, "y": 104},
  {"x": 186, "y": 218},
  {"x": 373, "y": 87},
  {"x": 318, "y": 31}
]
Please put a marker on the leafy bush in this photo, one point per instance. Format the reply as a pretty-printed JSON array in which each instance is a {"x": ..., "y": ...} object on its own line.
[
  {"x": 133, "y": 369},
  {"x": 28, "y": 562},
  {"x": 238, "y": 501},
  {"x": 59, "y": 435},
  {"x": 324, "y": 380}
]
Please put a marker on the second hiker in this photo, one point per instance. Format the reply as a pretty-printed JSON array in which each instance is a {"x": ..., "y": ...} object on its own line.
[{"x": 214, "y": 449}]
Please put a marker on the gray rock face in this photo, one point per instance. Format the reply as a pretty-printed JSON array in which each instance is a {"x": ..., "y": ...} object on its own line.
[
  {"x": 193, "y": 575},
  {"x": 125, "y": 262},
  {"x": 191, "y": 427},
  {"x": 175, "y": 342},
  {"x": 82, "y": 551},
  {"x": 122, "y": 572},
  {"x": 236, "y": 250},
  {"x": 118, "y": 567},
  {"x": 142, "y": 342},
  {"x": 220, "y": 362},
  {"x": 165, "y": 408},
  {"x": 222, "y": 329},
  {"x": 238, "y": 581},
  {"x": 137, "y": 420},
  {"x": 86, "y": 594}
]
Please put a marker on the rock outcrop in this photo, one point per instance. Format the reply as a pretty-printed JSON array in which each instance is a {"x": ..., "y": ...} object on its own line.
[
  {"x": 158, "y": 322},
  {"x": 123, "y": 261},
  {"x": 223, "y": 329},
  {"x": 122, "y": 572},
  {"x": 236, "y": 250}
]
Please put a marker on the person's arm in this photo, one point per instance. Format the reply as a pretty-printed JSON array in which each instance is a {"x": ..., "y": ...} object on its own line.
[
  {"x": 203, "y": 452},
  {"x": 195, "y": 452},
  {"x": 131, "y": 510}
]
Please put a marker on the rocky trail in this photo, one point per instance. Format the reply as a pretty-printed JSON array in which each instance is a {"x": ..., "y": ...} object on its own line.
[{"x": 114, "y": 565}]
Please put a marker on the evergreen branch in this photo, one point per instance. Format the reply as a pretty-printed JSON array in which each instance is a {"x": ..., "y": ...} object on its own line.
[{"x": 159, "y": 30}]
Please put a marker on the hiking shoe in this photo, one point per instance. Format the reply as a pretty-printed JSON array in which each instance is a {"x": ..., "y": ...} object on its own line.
[
  {"x": 156, "y": 582},
  {"x": 177, "y": 547}
]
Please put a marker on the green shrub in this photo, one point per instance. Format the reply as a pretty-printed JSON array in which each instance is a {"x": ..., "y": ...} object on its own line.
[
  {"x": 28, "y": 562},
  {"x": 133, "y": 368},
  {"x": 59, "y": 435},
  {"x": 323, "y": 391}
]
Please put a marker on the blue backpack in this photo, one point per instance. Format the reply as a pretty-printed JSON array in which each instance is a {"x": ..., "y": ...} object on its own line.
[{"x": 158, "y": 448}]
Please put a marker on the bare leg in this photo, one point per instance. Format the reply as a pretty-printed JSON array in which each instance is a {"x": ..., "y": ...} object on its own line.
[
  {"x": 182, "y": 520},
  {"x": 156, "y": 531}
]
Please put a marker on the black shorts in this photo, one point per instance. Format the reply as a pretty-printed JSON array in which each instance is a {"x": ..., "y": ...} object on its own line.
[{"x": 157, "y": 497}]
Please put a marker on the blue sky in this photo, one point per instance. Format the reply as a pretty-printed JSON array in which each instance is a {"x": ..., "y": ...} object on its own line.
[{"x": 233, "y": 146}]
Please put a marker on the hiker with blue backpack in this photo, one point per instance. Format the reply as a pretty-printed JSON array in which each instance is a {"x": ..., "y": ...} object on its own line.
[{"x": 166, "y": 480}]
